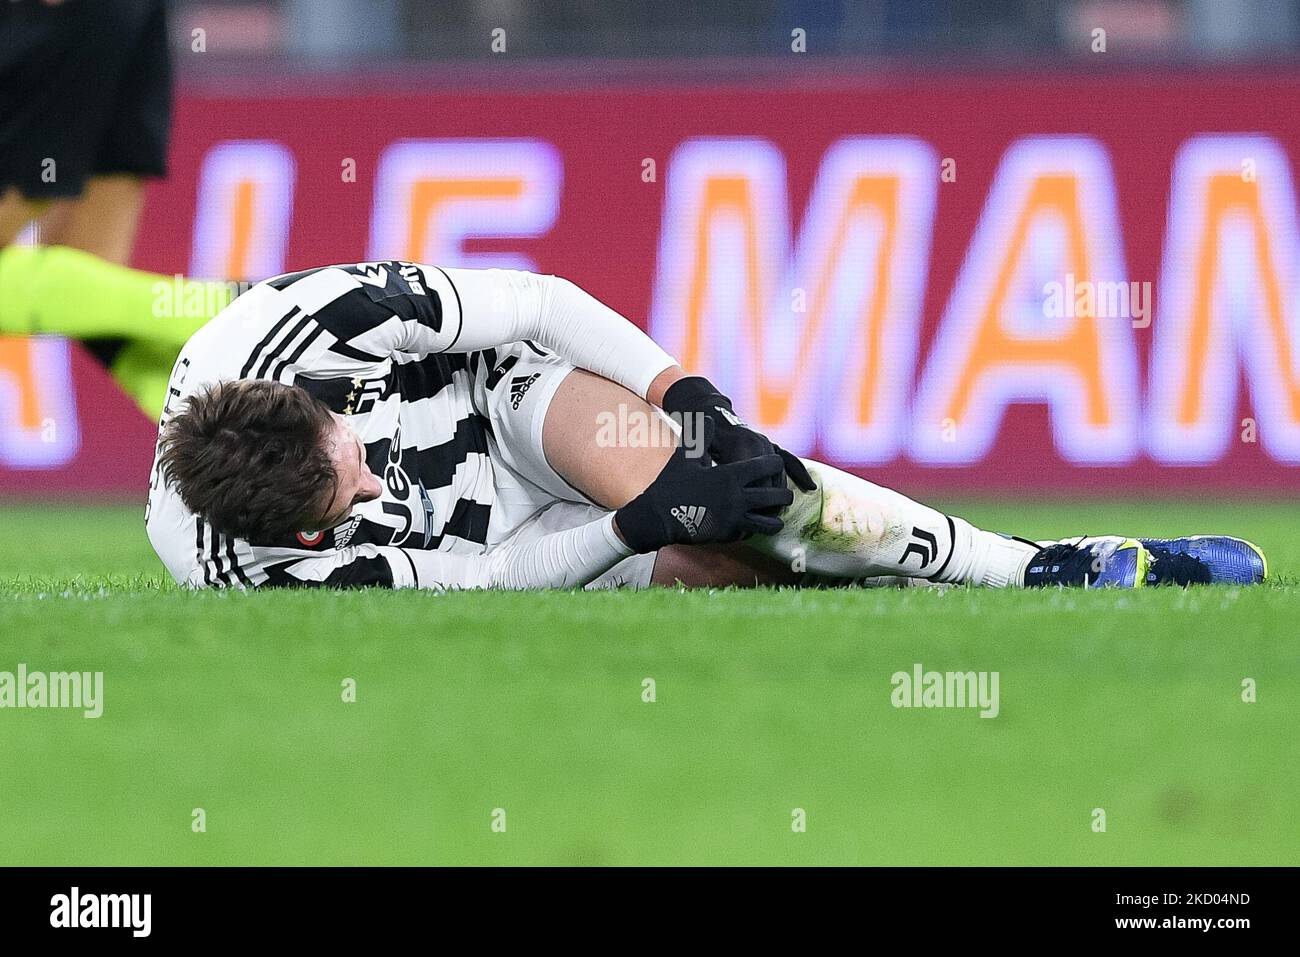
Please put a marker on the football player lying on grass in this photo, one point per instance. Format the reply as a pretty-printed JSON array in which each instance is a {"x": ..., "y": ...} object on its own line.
[{"x": 402, "y": 425}]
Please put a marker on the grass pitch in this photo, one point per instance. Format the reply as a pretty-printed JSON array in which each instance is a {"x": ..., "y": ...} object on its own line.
[{"x": 766, "y": 702}]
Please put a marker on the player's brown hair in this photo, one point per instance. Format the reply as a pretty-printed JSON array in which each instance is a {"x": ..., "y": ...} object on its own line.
[{"x": 250, "y": 458}]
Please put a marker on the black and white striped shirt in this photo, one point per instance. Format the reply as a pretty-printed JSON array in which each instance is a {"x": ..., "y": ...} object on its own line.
[{"x": 398, "y": 348}]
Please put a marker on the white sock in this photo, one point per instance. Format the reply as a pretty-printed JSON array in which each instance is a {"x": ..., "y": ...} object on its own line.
[
  {"x": 987, "y": 558},
  {"x": 852, "y": 528}
]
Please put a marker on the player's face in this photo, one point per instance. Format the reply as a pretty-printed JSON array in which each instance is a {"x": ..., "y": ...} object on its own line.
[{"x": 357, "y": 483}]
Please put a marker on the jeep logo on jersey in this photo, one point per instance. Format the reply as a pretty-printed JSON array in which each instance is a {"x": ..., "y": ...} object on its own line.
[{"x": 398, "y": 486}]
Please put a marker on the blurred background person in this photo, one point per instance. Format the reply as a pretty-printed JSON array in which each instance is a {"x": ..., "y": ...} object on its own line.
[{"x": 85, "y": 119}]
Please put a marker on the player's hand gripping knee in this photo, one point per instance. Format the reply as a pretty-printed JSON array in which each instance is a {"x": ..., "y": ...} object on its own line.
[
  {"x": 695, "y": 503},
  {"x": 732, "y": 440}
]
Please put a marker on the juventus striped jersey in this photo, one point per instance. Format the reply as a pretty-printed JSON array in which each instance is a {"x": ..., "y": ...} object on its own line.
[{"x": 398, "y": 348}]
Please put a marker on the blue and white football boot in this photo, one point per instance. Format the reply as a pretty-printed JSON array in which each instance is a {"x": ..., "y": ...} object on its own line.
[
  {"x": 1108, "y": 561},
  {"x": 1205, "y": 560}
]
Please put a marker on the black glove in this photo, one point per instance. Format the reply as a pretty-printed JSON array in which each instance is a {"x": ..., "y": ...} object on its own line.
[
  {"x": 694, "y": 503},
  {"x": 733, "y": 440}
]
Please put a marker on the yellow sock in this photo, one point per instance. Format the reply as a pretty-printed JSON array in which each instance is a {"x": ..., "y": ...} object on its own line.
[{"x": 67, "y": 292}]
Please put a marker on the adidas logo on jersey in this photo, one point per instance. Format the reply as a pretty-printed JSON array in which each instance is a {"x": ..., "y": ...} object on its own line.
[
  {"x": 519, "y": 387},
  {"x": 691, "y": 517},
  {"x": 343, "y": 533}
]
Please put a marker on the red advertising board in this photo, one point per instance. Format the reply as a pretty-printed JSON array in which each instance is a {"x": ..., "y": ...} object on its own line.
[{"x": 1082, "y": 283}]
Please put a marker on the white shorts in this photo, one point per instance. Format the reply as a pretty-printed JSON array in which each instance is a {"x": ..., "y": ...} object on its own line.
[{"x": 532, "y": 499}]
